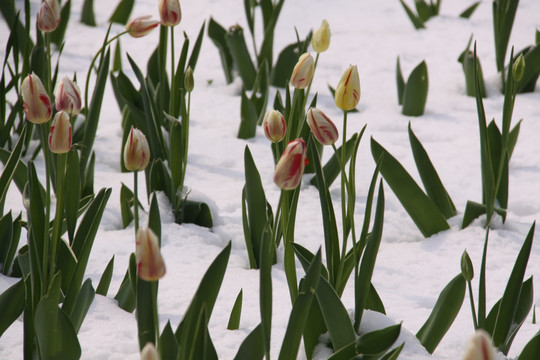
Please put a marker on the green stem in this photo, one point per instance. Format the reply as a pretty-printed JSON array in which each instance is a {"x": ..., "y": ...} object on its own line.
[
  {"x": 154, "y": 286},
  {"x": 289, "y": 263},
  {"x": 48, "y": 78},
  {"x": 473, "y": 309},
  {"x": 136, "y": 200},
  {"x": 311, "y": 82},
  {"x": 60, "y": 175},
  {"x": 172, "y": 103},
  {"x": 185, "y": 135},
  {"x": 344, "y": 186},
  {"x": 44, "y": 130}
]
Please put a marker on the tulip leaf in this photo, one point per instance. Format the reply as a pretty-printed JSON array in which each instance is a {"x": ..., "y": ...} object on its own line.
[
  {"x": 532, "y": 70},
  {"x": 504, "y": 13},
  {"x": 36, "y": 217},
  {"x": 248, "y": 117},
  {"x": 9, "y": 240},
  {"x": 416, "y": 91},
  {"x": 126, "y": 293},
  {"x": 146, "y": 316},
  {"x": 236, "y": 313},
  {"x": 300, "y": 311},
  {"x": 66, "y": 263},
  {"x": 126, "y": 202},
  {"x": 117, "y": 57},
  {"x": 394, "y": 353},
  {"x": 105, "y": 280},
  {"x": 122, "y": 12},
  {"x": 416, "y": 21},
  {"x": 168, "y": 346},
  {"x": 252, "y": 348},
  {"x": 443, "y": 315},
  {"x": 57, "y": 36},
  {"x": 196, "y": 212},
  {"x": 239, "y": 53},
  {"x": 160, "y": 179},
  {"x": 84, "y": 300},
  {"x": 72, "y": 192},
  {"x": 12, "y": 305},
  {"x": 400, "y": 82},
  {"x": 468, "y": 62},
  {"x": 423, "y": 211},
  {"x": 532, "y": 349},
  {"x": 266, "y": 257},
  {"x": 192, "y": 62},
  {"x": 87, "y": 13},
  {"x": 217, "y": 34},
  {"x": 287, "y": 59},
  {"x": 271, "y": 11},
  {"x": 467, "y": 13},
  {"x": 10, "y": 169},
  {"x": 432, "y": 183}
]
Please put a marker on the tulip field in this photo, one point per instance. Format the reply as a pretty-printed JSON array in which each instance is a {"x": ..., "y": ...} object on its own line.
[{"x": 269, "y": 179}]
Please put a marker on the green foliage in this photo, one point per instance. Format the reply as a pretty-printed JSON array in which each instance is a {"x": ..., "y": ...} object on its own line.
[
  {"x": 58, "y": 35},
  {"x": 468, "y": 12},
  {"x": 236, "y": 313},
  {"x": 372, "y": 345},
  {"x": 122, "y": 12},
  {"x": 414, "y": 94},
  {"x": 12, "y": 304},
  {"x": 105, "y": 281},
  {"x": 252, "y": 348},
  {"x": 253, "y": 108},
  {"x": 532, "y": 349},
  {"x": 504, "y": 13},
  {"x": 87, "y": 13},
  {"x": 468, "y": 62}
]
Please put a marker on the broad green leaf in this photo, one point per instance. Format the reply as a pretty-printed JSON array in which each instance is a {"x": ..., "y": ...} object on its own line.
[
  {"x": 394, "y": 353},
  {"x": 416, "y": 91},
  {"x": 176, "y": 145},
  {"x": 247, "y": 232},
  {"x": 57, "y": 36},
  {"x": 36, "y": 218},
  {"x": 10, "y": 168},
  {"x": 122, "y": 12},
  {"x": 66, "y": 263},
  {"x": 146, "y": 314},
  {"x": 425, "y": 214},
  {"x": 270, "y": 21},
  {"x": 117, "y": 58},
  {"x": 192, "y": 62},
  {"x": 9, "y": 12},
  {"x": 252, "y": 348},
  {"x": 371, "y": 344},
  {"x": 196, "y": 212},
  {"x": 105, "y": 281},
  {"x": 400, "y": 82},
  {"x": 159, "y": 179},
  {"x": 532, "y": 349},
  {"x": 416, "y": 21},
  {"x": 127, "y": 200},
  {"x": 12, "y": 305},
  {"x": 87, "y": 13},
  {"x": 266, "y": 256},
  {"x": 443, "y": 314},
  {"x": 126, "y": 293},
  {"x": 241, "y": 59},
  {"x": 467, "y": 13},
  {"x": 154, "y": 218},
  {"x": 84, "y": 300},
  {"x": 300, "y": 310},
  {"x": 217, "y": 34},
  {"x": 432, "y": 183},
  {"x": 504, "y": 13},
  {"x": 287, "y": 59},
  {"x": 168, "y": 346},
  {"x": 236, "y": 313},
  {"x": 512, "y": 138},
  {"x": 423, "y": 10},
  {"x": 10, "y": 244},
  {"x": 532, "y": 70},
  {"x": 55, "y": 334},
  {"x": 248, "y": 118}
]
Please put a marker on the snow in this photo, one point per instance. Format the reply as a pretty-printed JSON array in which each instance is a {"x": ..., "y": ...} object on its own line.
[{"x": 410, "y": 271}]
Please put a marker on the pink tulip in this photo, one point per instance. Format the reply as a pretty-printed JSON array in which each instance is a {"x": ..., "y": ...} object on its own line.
[
  {"x": 170, "y": 13},
  {"x": 140, "y": 26},
  {"x": 136, "y": 151},
  {"x": 49, "y": 15},
  {"x": 274, "y": 126},
  {"x": 322, "y": 127},
  {"x": 68, "y": 96},
  {"x": 290, "y": 167},
  {"x": 36, "y": 102},
  {"x": 150, "y": 265},
  {"x": 303, "y": 71},
  {"x": 60, "y": 133}
]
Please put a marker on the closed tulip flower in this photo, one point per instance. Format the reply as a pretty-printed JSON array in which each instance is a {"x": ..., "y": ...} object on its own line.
[
  {"x": 348, "y": 90},
  {"x": 60, "y": 133},
  {"x": 169, "y": 11},
  {"x": 322, "y": 127},
  {"x": 136, "y": 151},
  {"x": 149, "y": 352},
  {"x": 303, "y": 71},
  {"x": 290, "y": 167},
  {"x": 150, "y": 265},
  {"x": 68, "y": 96},
  {"x": 36, "y": 102},
  {"x": 141, "y": 26},
  {"x": 49, "y": 16},
  {"x": 274, "y": 126},
  {"x": 321, "y": 39},
  {"x": 480, "y": 347}
]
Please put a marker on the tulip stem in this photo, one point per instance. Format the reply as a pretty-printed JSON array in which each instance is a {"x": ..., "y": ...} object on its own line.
[
  {"x": 60, "y": 175},
  {"x": 473, "y": 309},
  {"x": 288, "y": 233},
  {"x": 172, "y": 103},
  {"x": 311, "y": 82},
  {"x": 136, "y": 200},
  {"x": 44, "y": 130},
  {"x": 185, "y": 135}
]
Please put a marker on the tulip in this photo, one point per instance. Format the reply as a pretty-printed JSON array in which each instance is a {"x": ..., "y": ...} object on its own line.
[
  {"x": 169, "y": 11},
  {"x": 321, "y": 38},
  {"x": 274, "y": 126},
  {"x": 518, "y": 70},
  {"x": 150, "y": 265},
  {"x": 303, "y": 71},
  {"x": 480, "y": 347},
  {"x": 189, "y": 82},
  {"x": 136, "y": 151},
  {"x": 149, "y": 352},
  {"x": 68, "y": 96},
  {"x": 60, "y": 133},
  {"x": 49, "y": 16},
  {"x": 36, "y": 102},
  {"x": 322, "y": 127},
  {"x": 290, "y": 167},
  {"x": 348, "y": 90},
  {"x": 140, "y": 26}
]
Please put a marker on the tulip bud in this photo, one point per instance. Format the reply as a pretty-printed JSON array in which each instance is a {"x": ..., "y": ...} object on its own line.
[
  {"x": 519, "y": 68},
  {"x": 136, "y": 151},
  {"x": 68, "y": 96},
  {"x": 140, "y": 26},
  {"x": 348, "y": 90},
  {"x": 189, "y": 82},
  {"x": 149, "y": 352},
  {"x": 290, "y": 167},
  {"x": 150, "y": 265},
  {"x": 321, "y": 38},
  {"x": 36, "y": 102},
  {"x": 322, "y": 127},
  {"x": 60, "y": 133},
  {"x": 274, "y": 126},
  {"x": 480, "y": 347},
  {"x": 467, "y": 269},
  {"x": 169, "y": 11},
  {"x": 303, "y": 71},
  {"x": 49, "y": 15}
]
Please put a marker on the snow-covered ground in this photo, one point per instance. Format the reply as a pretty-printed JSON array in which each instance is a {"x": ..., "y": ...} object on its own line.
[{"x": 411, "y": 270}]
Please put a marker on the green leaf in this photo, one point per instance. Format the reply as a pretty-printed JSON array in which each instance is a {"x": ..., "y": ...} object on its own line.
[
  {"x": 287, "y": 59},
  {"x": 217, "y": 34},
  {"x": 236, "y": 312},
  {"x": 168, "y": 346},
  {"x": 154, "y": 218},
  {"x": 196, "y": 212},
  {"x": 532, "y": 349},
  {"x": 532, "y": 70},
  {"x": 300, "y": 310},
  {"x": 117, "y": 58},
  {"x": 55, "y": 334},
  {"x": 84, "y": 300},
  {"x": 271, "y": 13},
  {"x": 443, "y": 315},
  {"x": 57, "y": 36},
  {"x": 510, "y": 298},
  {"x": 432, "y": 183},
  {"x": 105, "y": 281},
  {"x": 192, "y": 62},
  {"x": 122, "y": 12},
  {"x": 146, "y": 314},
  {"x": 266, "y": 257},
  {"x": 252, "y": 348},
  {"x": 10, "y": 168},
  {"x": 400, "y": 82},
  {"x": 468, "y": 69},
  {"x": 394, "y": 353},
  {"x": 72, "y": 192},
  {"x": 416, "y": 21},
  {"x": 423, "y": 10},
  {"x": 12, "y": 305},
  {"x": 87, "y": 13},
  {"x": 241, "y": 59},
  {"x": 126, "y": 293},
  {"x": 176, "y": 145},
  {"x": 371, "y": 344},
  {"x": 9, "y": 241},
  {"x": 248, "y": 118},
  {"x": 467, "y": 13},
  {"x": 418, "y": 205},
  {"x": 416, "y": 91},
  {"x": 127, "y": 200}
]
